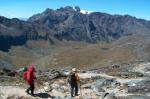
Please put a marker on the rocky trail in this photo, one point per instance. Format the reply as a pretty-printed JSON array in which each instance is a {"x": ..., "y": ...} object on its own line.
[{"x": 94, "y": 85}]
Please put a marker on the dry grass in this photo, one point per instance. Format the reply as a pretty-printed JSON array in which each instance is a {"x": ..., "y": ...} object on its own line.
[
  {"x": 81, "y": 55},
  {"x": 94, "y": 56}
]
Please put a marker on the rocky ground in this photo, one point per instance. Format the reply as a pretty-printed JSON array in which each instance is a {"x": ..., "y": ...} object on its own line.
[{"x": 127, "y": 83}]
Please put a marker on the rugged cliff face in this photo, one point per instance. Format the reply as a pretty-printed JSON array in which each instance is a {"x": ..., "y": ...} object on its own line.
[
  {"x": 69, "y": 24},
  {"x": 17, "y": 32}
]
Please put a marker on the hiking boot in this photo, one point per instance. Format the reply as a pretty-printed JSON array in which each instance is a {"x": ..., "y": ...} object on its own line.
[
  {"x": 27, "y": 92},
  {"x": 76, "y": 94},
  {"x": 33, "y": 95},
  {"x": 72, "y": 96}
]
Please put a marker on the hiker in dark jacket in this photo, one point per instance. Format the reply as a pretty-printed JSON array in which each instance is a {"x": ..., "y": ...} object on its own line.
[
  {"x": 30, "y": 77},
  {"x": 73, "y": 80}
]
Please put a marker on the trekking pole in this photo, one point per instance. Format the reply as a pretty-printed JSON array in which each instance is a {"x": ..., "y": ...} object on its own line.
[
  {"x": 69, "y": 90},
  {"x": 80, "y": 89}
]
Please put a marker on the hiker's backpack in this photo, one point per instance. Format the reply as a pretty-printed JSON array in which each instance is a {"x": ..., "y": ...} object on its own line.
[
  {"x": 71, "y": 79},
  {"x": 25, "y": 75},
  {"x": 24, "y": 71}
]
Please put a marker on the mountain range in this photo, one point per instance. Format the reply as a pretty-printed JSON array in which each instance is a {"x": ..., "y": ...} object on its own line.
[
  {"x": 68, "y": 23},
  {"x": 66, "y": 36}
]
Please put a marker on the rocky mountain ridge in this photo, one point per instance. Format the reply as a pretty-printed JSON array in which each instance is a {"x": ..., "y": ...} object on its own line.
[{"x": 69, "y": 24}]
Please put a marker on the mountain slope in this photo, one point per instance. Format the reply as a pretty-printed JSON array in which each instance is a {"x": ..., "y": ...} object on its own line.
[{"x": 69, "y": 24}]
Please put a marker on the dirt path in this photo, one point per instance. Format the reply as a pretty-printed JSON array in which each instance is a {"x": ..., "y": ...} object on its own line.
[
  {"x": 121, "y": 80},
  {"x": 14, "y": 92},
  {"x": 10, "y": 91}
]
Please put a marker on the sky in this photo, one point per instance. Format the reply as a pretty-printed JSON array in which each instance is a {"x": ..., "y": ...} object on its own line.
[{"x": 27, "y": 8}]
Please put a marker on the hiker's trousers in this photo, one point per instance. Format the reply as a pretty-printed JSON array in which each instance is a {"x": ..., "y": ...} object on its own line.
[
  {"x": 31, "y": 88},
  {"x": 74, "y": 87}
]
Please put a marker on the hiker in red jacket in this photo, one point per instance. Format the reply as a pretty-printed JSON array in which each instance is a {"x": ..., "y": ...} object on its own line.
[{"x": 30, "y": 77}]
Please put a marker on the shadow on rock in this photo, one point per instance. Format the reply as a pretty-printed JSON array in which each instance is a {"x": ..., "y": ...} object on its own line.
[{"x": 43, "y": 95}]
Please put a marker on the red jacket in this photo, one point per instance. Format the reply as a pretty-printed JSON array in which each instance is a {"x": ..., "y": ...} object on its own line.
[{"x": 30, "y": 75}]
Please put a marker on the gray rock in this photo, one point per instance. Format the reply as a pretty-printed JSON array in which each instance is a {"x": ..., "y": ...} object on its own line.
[
  {"x": 68, "y": 97},
  {"x": 50, "y": 74},
  {"x": 108, "y": 96},
  {"x": 103, "y": 82},
  {"x": 58, "y": 97},
  {"x": 97, "y": 87},
  {"x": 134, "y": 97},
  {"x": 138, "y": 86},
  {"x": 60, "y": 90},
  {"x": 115, "y": 84},
  {"x": 87, "y": 86}
]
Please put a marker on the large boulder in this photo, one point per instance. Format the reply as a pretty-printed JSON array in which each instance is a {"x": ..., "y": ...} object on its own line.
[
  {"x": 138, "y": 86},
  {"x": 97, "y": 87},
  {"x": 49, "y": 75}
]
